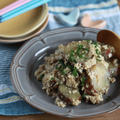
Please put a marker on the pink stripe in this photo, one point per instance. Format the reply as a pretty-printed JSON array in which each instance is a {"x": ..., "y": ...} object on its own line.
[{"x": 13, "y": 6}]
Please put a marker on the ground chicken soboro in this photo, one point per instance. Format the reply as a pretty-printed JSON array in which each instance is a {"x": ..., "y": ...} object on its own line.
[{"x": 78, "y": 70}]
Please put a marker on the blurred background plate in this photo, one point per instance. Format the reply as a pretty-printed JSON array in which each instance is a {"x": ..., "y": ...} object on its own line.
[
  {"x": 23, "y": 24},
  {"x": 25, "y": 37}
]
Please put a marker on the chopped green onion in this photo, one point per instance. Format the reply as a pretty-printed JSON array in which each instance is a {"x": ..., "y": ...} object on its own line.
[
  {"x": 81, "y": 51},
  {"x": 72, "y": 53},
  {"x": 83, "y": 95},
  {"x": 83, "y": 81},
  {"x": 97, "y": 52},
  {"x": 95, "y": 43},
  {"x": 98, "y": 59},
  {"x": 98, "y": 55},
  {"x": 78, "y": 52},
  {"x": 57, "y": 67},
  {"x": 81, "y": 55},
  {"x": 88, "y": 41},
  {"x": 86, "y": 58},
  {"x": 75, "y": 72},
  {"x": 70, "y": 67},
  {"x": 72, "y": 57},
  {"x": 87, "y": 49},
  {"x": 63, "y": 72},
  {"x": 62, "y": 63},
  {"x": 41, "y": 76},
  {"x": 61, "y": 66},
  {"x": 52, "y": 78},
  {"x": 80, "y": 46}
]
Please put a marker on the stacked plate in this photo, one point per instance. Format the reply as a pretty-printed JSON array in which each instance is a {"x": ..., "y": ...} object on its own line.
[{"x": 24, "y": 26}]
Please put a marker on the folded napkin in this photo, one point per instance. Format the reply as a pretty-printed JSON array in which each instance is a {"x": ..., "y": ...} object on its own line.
[{"x": 10, "y": 102}]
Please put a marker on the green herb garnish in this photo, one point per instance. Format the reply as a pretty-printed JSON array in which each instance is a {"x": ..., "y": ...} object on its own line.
[
  {"x": 86, "y": 49},
  {"x": 52, "y": 78},
  {"x": 83, "y": 95},
  {"x": 83, "y": 81},
  {"x": 62, "y": 63},
  {"x": 72, "y": 57},
  {"x": 97, "y": 52},
  {"x": 70, "y": 67},
  {"x": 82, "y": 55},
  {"x": 98, "y": 59},
  {"x": 79, "y": 48},
  {"x": 57, "y": 67},
  {"x": 63, "y": 72},
  {"x": 88, "y": 41},
  {"x": 75, "y": 72},
  {"x": 41, "y": 76},
  {"x": 81, "y": 51},
  {"x": 98, "y": 55},
  {"x": 61, "y": 67},
  {"x": 95, "y": 43}
]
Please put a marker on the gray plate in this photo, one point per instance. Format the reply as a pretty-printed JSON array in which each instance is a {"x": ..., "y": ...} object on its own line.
[{"x": 31, "y": 55}]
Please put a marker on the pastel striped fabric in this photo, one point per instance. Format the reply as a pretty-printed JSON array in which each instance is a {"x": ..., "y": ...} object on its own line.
[
  {"x": 94, "y": 7},
  {"x": 10, "y": 102}
]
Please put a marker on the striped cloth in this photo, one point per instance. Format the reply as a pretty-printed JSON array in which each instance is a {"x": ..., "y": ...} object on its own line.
[
  {"x": 93, "y": 7},
  {"x": 10, "y": 102}
]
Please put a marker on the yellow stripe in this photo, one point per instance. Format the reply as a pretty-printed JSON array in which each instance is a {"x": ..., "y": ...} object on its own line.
[
  {"x": 4, "y": 89},
  {"x": 10, "y": 99}
]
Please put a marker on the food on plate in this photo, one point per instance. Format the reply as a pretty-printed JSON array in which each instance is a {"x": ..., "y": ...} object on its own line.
[{"x": 79, "y": 71}]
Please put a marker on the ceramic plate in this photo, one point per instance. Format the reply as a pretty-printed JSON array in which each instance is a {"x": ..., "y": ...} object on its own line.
[
  {"x": 26, "y": 37},
  {"x": 4, "y": 3},
  {"x": 31, "y": 55},
  {"x": 24, "y": 23}
]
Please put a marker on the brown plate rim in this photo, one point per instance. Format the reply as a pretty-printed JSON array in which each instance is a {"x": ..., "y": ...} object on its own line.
[
  {"x": 27, "y": 37},
  {"x": 44, "y": 16}
]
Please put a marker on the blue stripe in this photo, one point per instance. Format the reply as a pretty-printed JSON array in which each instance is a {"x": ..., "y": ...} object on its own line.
[
  {"x": 22, "y": 9},
  {"x": 8, "y": 95},
  {"x": 6, "y": 54},
  {"x": 74, "y": 3},
  {"x": 18, "y": 108}
]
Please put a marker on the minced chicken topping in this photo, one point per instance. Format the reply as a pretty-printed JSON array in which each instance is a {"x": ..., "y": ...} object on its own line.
[{"x": 81, "y": 70}]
